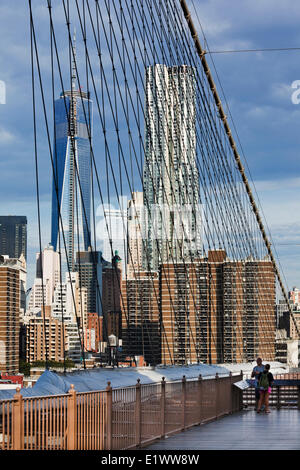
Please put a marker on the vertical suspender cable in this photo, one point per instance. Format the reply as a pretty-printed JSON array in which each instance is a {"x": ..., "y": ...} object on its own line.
[{"x": 201, "y": 54}]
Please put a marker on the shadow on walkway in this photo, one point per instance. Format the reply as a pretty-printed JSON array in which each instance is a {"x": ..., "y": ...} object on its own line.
[{"x": 280, "y": 430}]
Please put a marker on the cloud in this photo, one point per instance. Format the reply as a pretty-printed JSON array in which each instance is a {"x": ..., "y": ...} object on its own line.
[
  {"x": 231, "y": 45},
  {"x": 282, "y": 91},
  {"x": 287, "y": 234},
  {"x": 279, "y": 202},
  {"x": 212, "y": 26},
  {"x": 259, "y": 112},
  {"x": 6, "y": 136},
  {"x": 19, "y": 206},
  {"x": 246, "y": 15},
  {"x": 275, "y": 185}
]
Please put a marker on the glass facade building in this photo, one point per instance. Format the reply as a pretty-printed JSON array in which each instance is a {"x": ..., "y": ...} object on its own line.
[
  {"x": 13, "y": 236},
  {"x": 71, "y": 188},
  {"x": 89, "y": 268}
]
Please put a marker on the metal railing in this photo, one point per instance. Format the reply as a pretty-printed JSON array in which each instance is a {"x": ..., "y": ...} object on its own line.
[
  {"x": 122, "y": 418},
  {"x": 285, "y": 392}
]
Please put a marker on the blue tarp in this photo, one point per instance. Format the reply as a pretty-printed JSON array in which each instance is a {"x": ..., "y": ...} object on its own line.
[{"x": 53, "y": 383}]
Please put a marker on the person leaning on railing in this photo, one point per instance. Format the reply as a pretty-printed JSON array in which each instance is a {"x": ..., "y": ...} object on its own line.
[{"x": 265, "y": 381}]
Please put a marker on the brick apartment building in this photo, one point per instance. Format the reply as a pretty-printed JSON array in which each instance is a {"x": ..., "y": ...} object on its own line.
[
  {"x": 93, "y": 332},
  {"x": 9, "y": 318},
  {"x": 216, "y": 310},
  {"x": 213, "y": 310},
  {"x": 140, "y": 317},
  {"x": 45, "y": 336},
  {"x": 111, "y": 297}
]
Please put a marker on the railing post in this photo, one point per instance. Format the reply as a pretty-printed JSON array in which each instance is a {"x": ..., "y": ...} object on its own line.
[
  {"x": 183, "y": 401},
  {"x": 231, "y": 392},
  {"x": 18, "y": 421},
  {"x": 138, "y": 413},
  {"x": 278, "y": 397},
  {"x": 72, "y": 419},
  {"x": 237, "y": 395},
  {"x": 241, "y": 395},
  {"x": 108, "y": 390},
  {"x": 200, "y": 398},
  {"x": 163, "y": 406},
  {"x": 234, "y": 395},
  {"x": 217, "y": 395}
]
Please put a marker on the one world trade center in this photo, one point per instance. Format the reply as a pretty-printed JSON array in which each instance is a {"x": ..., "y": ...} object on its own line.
[{"x": 71, "y": 188}]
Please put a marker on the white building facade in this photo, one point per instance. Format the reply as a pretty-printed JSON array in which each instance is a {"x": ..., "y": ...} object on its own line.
[{"x": 170, "y": 176}]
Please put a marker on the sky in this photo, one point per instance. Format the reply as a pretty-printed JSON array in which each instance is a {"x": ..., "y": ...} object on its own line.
[{"x": 258, "y": 90}]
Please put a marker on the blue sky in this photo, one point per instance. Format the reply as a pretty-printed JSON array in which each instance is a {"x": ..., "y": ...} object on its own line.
[{"x": 257, "y": 87}]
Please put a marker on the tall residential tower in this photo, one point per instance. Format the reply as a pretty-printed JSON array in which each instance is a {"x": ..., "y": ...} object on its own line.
[{"x": 170, "y": 179}]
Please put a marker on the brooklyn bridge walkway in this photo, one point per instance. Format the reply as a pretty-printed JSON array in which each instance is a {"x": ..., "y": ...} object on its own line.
[{"x": 245, "y": 430}]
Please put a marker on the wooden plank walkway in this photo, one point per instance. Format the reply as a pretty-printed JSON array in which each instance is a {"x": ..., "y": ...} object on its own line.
[{"x": 280, "y": 430}]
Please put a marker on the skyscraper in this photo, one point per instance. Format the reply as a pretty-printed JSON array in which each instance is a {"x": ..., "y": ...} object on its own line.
[
  {"x": 71, "y": 190},
  {"x": 111, "y": 293},
  {"x": 170, "y": 178},
  {"x": 89, "y": 268},
  {"x": 136, "y": 228},
  {"x": 13, "y": 236},
  {"x": 113, "y": 230},
  {"x": 47, "y": 277}
]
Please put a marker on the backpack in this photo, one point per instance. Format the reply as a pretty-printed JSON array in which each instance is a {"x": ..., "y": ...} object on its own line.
[{"x": 264, "y": 381}]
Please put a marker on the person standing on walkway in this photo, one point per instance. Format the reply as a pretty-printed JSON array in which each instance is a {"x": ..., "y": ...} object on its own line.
[
  {"x": 255, "y": 373},
  {"x": 265, "y": 381}
]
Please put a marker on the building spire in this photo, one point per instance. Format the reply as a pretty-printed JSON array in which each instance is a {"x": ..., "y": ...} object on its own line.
[{"x": 74, "y": 61}]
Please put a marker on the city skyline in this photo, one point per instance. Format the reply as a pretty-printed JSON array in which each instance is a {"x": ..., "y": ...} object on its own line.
[
  {"x": 255, "y": 96},
  {"x": 170, "y": 156},
  {"x": 150, "y": 152}
]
